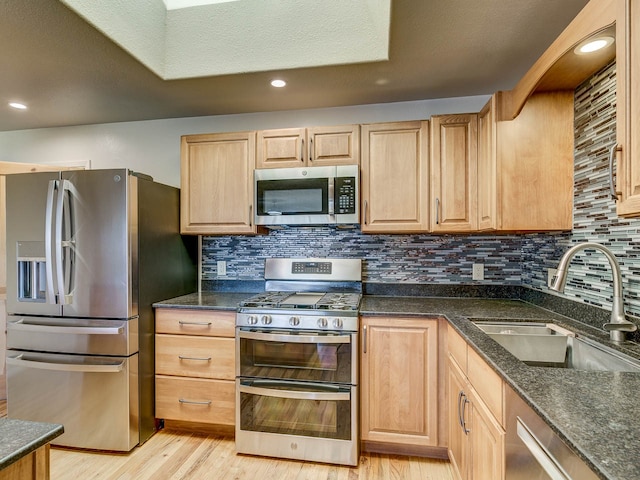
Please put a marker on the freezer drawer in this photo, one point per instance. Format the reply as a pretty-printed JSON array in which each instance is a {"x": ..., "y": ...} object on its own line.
[
  {"x": 94, "y": 398},
  {"x": 73, "y": 335}
]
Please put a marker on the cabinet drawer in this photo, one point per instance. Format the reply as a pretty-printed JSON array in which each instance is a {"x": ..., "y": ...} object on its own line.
[
  {"x": 188, "y": 356},
  {"x": 195, "y": 322},
  {"x": 487, "y": 383},
  {"x": 195, "y": 400},
  {"x": 457, "y": 348}
]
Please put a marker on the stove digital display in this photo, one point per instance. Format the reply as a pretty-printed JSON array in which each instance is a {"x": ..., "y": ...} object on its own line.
[{"x": 311, "y": 267}]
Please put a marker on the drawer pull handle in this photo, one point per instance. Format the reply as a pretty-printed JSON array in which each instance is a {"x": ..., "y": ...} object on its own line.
[
  {"x": 204, "y": 324},
  {"x": 204, "y": 359},
  {"x": 195, "y": 402}
]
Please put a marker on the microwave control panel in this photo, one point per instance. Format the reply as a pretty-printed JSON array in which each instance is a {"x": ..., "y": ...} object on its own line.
[{"x": 345, "y": 194}]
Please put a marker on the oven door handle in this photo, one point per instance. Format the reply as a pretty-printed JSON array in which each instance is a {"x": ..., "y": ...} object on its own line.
[
  {"x": 293, "y": 394},
  {"x": 272, "y": 337}
]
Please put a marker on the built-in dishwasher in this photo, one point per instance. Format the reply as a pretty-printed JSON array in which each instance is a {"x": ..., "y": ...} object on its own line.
[{"x": 534, "y": 451}]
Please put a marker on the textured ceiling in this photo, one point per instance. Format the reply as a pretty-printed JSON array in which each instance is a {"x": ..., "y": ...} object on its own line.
[
  {"x": 69, "y": 73},
  {"x": 244, "y": 35}
]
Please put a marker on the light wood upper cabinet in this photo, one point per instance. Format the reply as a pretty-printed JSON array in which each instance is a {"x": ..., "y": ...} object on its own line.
[
  {"x": 628, "y": 107},
  {"x": 216, "y": 195},
  {"x": 395, "y": 171},
  {"x": 525, "y": 165},
  {"x": 399, "y": 381},
  {"x": 534, "y": 154},
  {"x": 301, "y": 147},
  {"x": 487, "y": 171},
  {"x": 454, "y": 171}
]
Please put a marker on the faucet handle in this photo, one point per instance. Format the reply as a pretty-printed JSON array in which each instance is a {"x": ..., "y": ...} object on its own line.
[{"x": 620, "y": 327}]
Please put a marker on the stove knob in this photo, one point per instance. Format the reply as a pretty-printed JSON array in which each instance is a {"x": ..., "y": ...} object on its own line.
[
  {"x": 266, "y": 319},
  {"x": 322, "y": 322},
  {"x": 294, "y": 321},
  {"x": 252, "y": 319},
  {"x": 337, "y": 323}
]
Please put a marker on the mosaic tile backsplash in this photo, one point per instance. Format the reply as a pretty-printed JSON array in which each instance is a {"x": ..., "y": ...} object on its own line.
[{"x": 508, "y": 259}]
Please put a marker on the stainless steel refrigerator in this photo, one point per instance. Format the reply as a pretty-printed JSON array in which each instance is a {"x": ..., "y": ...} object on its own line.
[{"x": 88, "y": 252}]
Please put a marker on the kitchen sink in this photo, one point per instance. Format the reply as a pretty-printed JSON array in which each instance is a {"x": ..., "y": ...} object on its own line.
[
  {"x": 530, "y": 342},
  {"x": 548, "y": 345}
]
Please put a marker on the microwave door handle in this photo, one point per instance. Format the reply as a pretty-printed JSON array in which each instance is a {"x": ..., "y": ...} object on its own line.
[
  {"x": 332, "y": 189},
  {"x": 48, "y": 242}
]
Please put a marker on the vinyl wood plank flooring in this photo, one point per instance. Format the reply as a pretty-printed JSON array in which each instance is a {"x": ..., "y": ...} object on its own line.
[{"x": 175, "y": 455}]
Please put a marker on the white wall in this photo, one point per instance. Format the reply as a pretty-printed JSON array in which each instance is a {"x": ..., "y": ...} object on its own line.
[{"x": 153, "y": 147}]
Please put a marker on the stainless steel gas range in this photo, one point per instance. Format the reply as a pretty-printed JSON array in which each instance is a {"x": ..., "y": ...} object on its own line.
[{"x": 297, "y": 362}]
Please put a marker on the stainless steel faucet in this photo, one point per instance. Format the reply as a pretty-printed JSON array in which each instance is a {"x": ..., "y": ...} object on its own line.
[{"x": 619, "y": 325}]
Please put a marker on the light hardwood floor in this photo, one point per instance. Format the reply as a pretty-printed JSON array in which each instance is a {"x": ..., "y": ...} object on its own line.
[
  {"x": 173, "y": 455},
  {"x": 177, "y": 455}
]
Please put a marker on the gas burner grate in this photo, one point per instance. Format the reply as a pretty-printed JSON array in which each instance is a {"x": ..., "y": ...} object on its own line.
[{"x": 295, "y": 300}]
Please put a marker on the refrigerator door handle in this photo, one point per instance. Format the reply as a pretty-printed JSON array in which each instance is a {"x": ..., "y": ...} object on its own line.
[
  {"x": 48, "y": 242},
  {"x": 40, "y": 328},
  {"x": 63, "y": 298},
  {"x": 66, "y": 367}
]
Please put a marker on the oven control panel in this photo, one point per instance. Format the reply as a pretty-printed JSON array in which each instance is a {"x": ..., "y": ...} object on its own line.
[{"x": 311, "y": 267}]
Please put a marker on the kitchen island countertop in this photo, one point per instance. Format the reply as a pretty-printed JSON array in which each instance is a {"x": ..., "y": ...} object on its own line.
[
  {"x": 590, "y": 411},
  {"x": 21, "y": 437}
]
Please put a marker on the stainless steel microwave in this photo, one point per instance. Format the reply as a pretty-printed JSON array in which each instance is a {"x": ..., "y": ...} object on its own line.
[{"x": 307, "y": 196}]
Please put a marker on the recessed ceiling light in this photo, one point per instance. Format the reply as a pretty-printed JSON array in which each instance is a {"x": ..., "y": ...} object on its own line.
[
  {"x": 593, "y": 45},
  {"x": 278, "y": 83},
  {"x": 17, "y": 105}
]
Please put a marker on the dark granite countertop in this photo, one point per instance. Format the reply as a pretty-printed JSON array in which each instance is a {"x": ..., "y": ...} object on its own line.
[
  {"x": 593, "y": 412},
  {"x": 20, "y": 438},
  {"x": 206, "y": 300}
]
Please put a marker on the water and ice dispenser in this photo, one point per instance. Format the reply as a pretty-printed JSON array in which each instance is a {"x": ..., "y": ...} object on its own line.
[{"x": 32, "y": 281}]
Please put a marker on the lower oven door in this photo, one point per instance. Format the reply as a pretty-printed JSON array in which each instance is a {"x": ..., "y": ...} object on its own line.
[
  {"x": 321, "y": 357},
  {"x": 95, "y": 398},
  {"x": 297, "y": 420}
]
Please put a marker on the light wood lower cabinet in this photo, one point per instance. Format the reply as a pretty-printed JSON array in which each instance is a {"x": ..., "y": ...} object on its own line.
[
  {"x": 33, "y": 466},
  {"x": 195, "y": 400},
  {"x": 399, "y": 382},
  {"x": 195, "y": 366},
  {"x": 475, "y": 404}
]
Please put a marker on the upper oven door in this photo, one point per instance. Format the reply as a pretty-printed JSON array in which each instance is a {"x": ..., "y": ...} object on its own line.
[
  {"x": 325, "y": 357},
  {"x": 288, "y": 196}
]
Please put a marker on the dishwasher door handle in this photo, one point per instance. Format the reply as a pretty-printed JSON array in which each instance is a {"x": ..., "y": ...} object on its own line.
[{"x": 549, "y": 464}]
